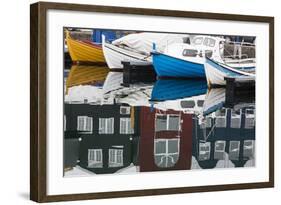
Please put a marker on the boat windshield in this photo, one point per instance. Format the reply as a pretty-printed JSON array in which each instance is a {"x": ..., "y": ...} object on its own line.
[
  {"x": 209, "y": 42},
  {"x": 190, "y": 52},
  {"x": 197, "y": 41}
]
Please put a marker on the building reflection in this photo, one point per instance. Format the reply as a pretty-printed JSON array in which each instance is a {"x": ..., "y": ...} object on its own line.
[
  {"x": 165, "y": 140},
  {"x": 226, "y": 136},
  {"x": 108, "y": 138},
  {"x": 111, "y": 128}
]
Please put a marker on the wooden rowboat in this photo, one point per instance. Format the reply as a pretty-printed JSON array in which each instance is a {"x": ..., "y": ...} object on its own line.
[
  {"x": 216, "y": 73},
  {"x": 115, "y": 55},
  {"x": 84, "y": 51}
]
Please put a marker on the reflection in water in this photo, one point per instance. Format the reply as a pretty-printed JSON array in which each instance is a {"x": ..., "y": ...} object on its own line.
[
  {"x": 166, "y": 125},
  {"x": 91, "y": 75}
]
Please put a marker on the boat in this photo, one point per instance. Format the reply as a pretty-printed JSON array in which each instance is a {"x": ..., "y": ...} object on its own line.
[
  {"x": 112, "y": 82},
  {"x": 181, "y": 95},
  {"x": 171, "y": 89},
  {"x": 86, "y": 75},
  {"x": 187, "y": 60},
  {"x": 217, "y": 72},
  {"x": 84, "y": 51},
  {"x": 98, "y": 89},
  {"x": 115, "y": 55},
  {"x": 169, "y": 66},
  {"x": 135, "y": 96},
  {"x": 136, "y": 48},
  {"x": 215, "y": 100}
]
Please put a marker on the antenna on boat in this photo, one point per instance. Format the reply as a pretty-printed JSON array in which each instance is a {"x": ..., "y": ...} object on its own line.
[{"x": 153, "y": 46}]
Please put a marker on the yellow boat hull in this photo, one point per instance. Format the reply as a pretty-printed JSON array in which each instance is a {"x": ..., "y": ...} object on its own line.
[
  {"x": 84, "y": 52},
  {"x": 82, "y": 75}
]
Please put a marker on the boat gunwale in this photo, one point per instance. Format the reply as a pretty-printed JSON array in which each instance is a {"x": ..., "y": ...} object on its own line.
[
  {"x": 107, "y": 45},
  {"x": 160, "y": 53},
  {"x": 228, "y": 68}
]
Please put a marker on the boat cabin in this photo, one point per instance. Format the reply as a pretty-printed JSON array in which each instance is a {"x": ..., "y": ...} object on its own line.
[
  {"x": 199, "y": 47},
  {"x": 208, "y": 45},
  {"x": 220, "y": 49}
]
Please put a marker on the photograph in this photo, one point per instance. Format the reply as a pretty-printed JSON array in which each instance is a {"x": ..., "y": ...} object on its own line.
[
  {"x": 138, "y": 101},
  {"x": 133, "y": 102}
]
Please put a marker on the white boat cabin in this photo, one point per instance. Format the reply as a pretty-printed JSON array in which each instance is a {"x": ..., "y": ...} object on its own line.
[
  {"x": 213, "y": 47},
  {"x": 199, "y": 47}
]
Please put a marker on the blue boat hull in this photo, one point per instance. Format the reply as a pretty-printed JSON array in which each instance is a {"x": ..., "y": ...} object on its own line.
[
  {"x": 168, "y": 66},
  {"x": 171, "y": 89}
]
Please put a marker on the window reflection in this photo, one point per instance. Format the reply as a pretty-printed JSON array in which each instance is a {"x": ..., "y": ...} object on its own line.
[
  {"x": 166, "y": 153},
  {"x": 204, "y": 150},
  {"x": 115, "y": 157},
  {"x": 167, "y": 122},
  {"x": 106, "y": 125},
  {"x": 234, "y": 150},
  {"x": 95, "y": 158},
  {"x": 221, "y": 118}
]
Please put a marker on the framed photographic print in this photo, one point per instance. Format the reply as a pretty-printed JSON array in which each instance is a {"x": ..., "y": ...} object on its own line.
[{"x": 135, "y": 102}]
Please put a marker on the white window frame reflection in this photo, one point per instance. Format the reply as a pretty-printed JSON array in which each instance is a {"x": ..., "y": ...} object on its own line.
[
  {"x": 95, "y": 158},
  {"x": 115, "y": 157},
  {"x": 203, "y": 152},
  {"x": 236, "y": 151},
  {"x": 249, "y": 119},
  {"x": 235, "y": 116},
  {"x": 250, "y": 147},
  {"x": 126, "y": 126},
  {"x": 207, "y": 123},
  {"x": 168, "y": 126},
  {"x": 106, "y": 125},
  {"x": 221, "y": 117},
  {"x": 218, "y": 149},
  {"x": 166, "y": 155},
  {"x": 85, "y": 123}
]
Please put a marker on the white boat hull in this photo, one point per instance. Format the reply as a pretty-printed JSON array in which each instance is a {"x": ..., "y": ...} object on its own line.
[
  {"x": 213, "y": 76},
  {"x": 112, "y": 82},
  {"x": 214, "y": 100},
  {"x": 115, "y": 55},
  {"x": 216, "y": 73}
]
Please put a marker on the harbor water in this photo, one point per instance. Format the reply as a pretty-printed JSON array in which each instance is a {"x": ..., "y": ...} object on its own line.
[{"x": 132, "y": 121}]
